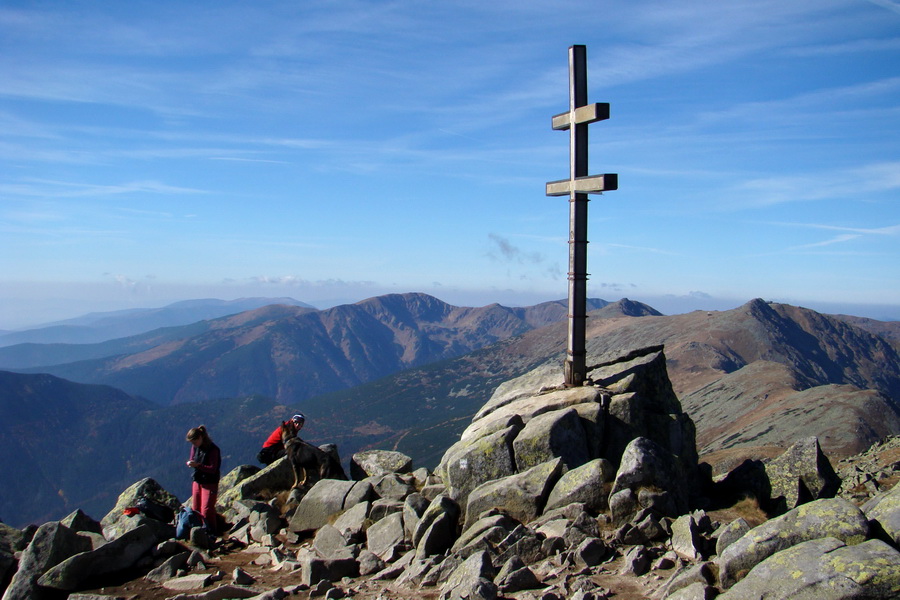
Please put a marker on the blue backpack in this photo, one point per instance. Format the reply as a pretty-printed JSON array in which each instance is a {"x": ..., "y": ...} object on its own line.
[{"x": 186, "y": 520}]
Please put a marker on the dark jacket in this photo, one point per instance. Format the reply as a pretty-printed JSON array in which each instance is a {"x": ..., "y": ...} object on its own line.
[{"x": 210, "y": 460}]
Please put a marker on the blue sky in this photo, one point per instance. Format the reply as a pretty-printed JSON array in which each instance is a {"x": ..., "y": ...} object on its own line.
[{"x": 331, "y": 151}]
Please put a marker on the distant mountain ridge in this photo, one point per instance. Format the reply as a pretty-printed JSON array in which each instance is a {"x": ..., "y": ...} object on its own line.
[
  {"x": 289, "y": 353},
  {"x": 99, "y": 327}
]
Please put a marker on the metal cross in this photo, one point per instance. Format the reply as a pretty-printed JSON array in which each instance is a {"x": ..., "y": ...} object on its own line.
[{"x": 577, "y": 187}]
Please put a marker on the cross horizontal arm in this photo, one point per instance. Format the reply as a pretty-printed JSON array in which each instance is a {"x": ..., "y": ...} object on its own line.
[
  {"x": 593, "y": 184},
  {"x": 599, "y": 111}
]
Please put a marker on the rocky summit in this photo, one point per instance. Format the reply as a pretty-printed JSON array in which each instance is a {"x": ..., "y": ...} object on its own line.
[{"x": 550, "y": 493}]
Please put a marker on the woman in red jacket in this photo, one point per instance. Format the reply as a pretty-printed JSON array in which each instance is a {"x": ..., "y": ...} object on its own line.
[
  {"x": 273, "y": 448},
  {"x": 206, "y": 460}
]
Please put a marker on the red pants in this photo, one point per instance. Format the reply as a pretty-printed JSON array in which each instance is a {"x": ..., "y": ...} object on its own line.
[{"x": 203, "y": 501}]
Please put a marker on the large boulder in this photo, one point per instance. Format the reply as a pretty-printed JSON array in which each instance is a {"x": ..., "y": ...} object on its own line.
[
  {"x": 326, "y": 498},
  {"x": 436, "y": 530},
  {"x": 522, "y": 496},
  {"x": 386, "y": 538},
  {"x": 527, "y": 404},
  {"x": 585, "y": 484},
  {"x": 824, "y": 569},
  {"x": 647, "y": 466},
  {"x": 884, "y": 512},
  {"x": 145, "y": 488},
  {"x": 235, "y": 476},
  {"x": 275, "y": 477},
  {"x": 800, "y": 474},
  {"x": 834, "y": 517},
  {"x": 52, "y": 544},
  {"x": 469, "y": 463},
  {"x": 554, "y": 434},
  {"x": 371, "y": 463},
  {"x": 119, "y": 554}
]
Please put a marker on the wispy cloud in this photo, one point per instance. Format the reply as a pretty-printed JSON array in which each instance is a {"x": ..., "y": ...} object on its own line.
[
  {"x": 854, "y": 182},
  {"x": 46, "y": 188},
  {"x": 888, "y": 4},
  {"x": 839, "y": 239}
]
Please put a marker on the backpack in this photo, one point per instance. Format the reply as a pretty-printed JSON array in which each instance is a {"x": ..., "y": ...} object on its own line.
[
  {"x": 186, "y": 520},
  {"x": 155, "y": 510}
]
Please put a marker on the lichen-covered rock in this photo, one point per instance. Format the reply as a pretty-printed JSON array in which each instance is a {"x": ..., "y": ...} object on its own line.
[
  {"x": 467, "y": 464},
  {"x": 731, "y": 532},
  {"x": 824, "y": 569},
  {"x": 553, "y": 434},
  {"x": 884, "y": 511},
  {"x": 330, "y": 543},
  {"x": 585, "y": 484},
  {"x": 274, "y": 477},
  {"x": 371, "y": 463},
  {"x": 325, "y": 499},
  {"x": 522, "y": 496},
  {"x": 495, "y": 523},
  {"x": 834, "y": 517},
  {"x": 392, "y": 486},
  {"x": 800, "y": 474},
  {"x": 414, "y": 506}
]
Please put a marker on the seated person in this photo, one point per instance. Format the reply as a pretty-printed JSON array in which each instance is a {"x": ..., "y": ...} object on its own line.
[{"x": 273, "y": 448}]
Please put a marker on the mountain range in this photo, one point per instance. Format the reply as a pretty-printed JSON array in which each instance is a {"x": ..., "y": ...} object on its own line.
[
  {"x": 407, "y": 372},
  {"x": 288, "y": 353}
]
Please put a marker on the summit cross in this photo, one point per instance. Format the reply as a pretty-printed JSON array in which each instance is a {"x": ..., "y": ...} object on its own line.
[{"x": 577, "y": 187}]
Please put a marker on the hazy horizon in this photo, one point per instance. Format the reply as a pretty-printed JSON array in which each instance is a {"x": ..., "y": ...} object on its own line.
[{"x": 667, "y": 304}]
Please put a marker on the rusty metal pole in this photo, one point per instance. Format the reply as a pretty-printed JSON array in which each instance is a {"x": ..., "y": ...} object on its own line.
[
  {"x": 576, "y": 352},
  {"x": 577, "y": 187}
]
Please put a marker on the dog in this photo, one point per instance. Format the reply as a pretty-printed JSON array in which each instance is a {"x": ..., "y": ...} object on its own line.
[{"x": 304, "y": 457}]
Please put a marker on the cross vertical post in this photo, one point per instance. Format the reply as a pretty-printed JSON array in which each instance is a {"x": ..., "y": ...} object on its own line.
[{"x": 577, "y": 187}]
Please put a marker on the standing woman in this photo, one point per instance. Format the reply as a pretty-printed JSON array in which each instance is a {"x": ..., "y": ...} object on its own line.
[{"x": 206, "y": 461}]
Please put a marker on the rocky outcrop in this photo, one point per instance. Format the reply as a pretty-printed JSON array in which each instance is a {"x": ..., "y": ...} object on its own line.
[{"x": 631, "y": 398}]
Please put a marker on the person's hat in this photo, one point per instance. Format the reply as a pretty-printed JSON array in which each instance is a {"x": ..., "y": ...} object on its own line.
[{"x": 298, "y": 418}]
